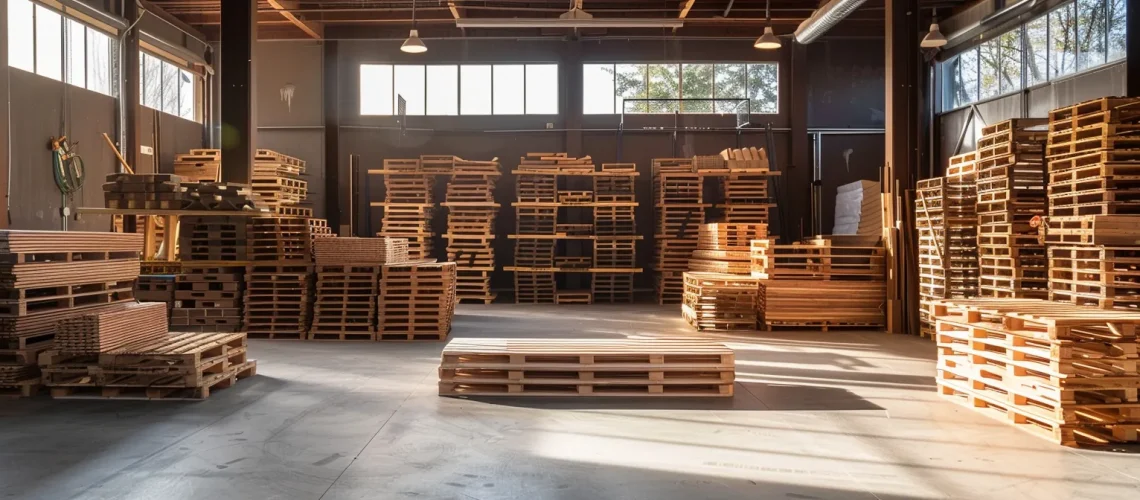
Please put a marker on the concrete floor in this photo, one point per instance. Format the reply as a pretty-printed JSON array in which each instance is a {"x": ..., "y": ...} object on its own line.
[{"x": 816, "y": 415}]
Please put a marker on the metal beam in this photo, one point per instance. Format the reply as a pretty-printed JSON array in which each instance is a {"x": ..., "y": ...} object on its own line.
[
  {"x": 685, "y": 8},
  {"x": 239, "y": 127},
  {"x": 1132, "y": 49},
  {"x": 284, "y": 6},
  {"x": 132, "y": 79},
  {"x": 332, "y": 188},
  {"x": 5, "y": 111}
]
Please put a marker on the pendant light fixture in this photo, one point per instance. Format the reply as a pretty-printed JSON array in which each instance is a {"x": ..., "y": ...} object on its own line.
[
  {"x": 934, "y": 38},
  {"x": 413, "y": 45},
  {"x": 769, "y": 40}
]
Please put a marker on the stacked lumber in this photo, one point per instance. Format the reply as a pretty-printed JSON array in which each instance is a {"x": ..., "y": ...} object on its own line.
[
  {"x": 820, "y": 284},
  {"x": 351, "y": 250},
  {"x": 1011, "y": 192},
  {"x": 278, "y": 239},
  {"x": 725, "y": 248},
  {"x": 679, "y": 208},
  {"x": 947, "y": 223},
  {"x": 220, "y": 196},
  {"x": 1093, "y": 229},
  {"x": 718, "y": 301},
  {"x": 199, "y": 165},
  {"x": 586, "y": 367},
  {"x": 277, "y": 300},
  {"x": 166, "y": 366},
  {"x": 156, "y": 288},
  {"x": 1064, "y": 372},
  {"x": 556, "y": 163},
  {"x": 48, "y": 276},
  {"x": 111, "y": 328},
  {"x": 471, "y": 211},
  {"x": 416, "y": 301},
  {"x": 144, "y": 191},
  {"x": 208, "y": 299},
  {"x": 408, "y": 205},
  {"x": 615, "y": 230},
  {"x": 214, "y": 238}
]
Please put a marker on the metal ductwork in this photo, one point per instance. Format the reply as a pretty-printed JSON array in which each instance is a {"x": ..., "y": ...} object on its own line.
[{"x": 824, "y": 18}]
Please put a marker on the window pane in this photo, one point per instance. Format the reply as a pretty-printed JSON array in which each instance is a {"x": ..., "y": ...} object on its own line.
[
  {"x": 98, "y": 62},
  {"x": 1062, "y": 43},
  {"x": 1117, "y": 11},
  {"x": 49, "y": 43},
  {"x": 475, "y": 90},
  {"x": 630, "y": 83},
  {"x": 731, "y": 83},
  {"x": 1009, "y": 67},
  {"x": 376, "y": 89},
  {"x": 508, "y": 98},
  {"x": 152, "y": 80},
  {"x": 169, "y": 88},
  {"x": 763, "y": 87},
  {"x": 1090, "y": 26},
  {"x": 967, "y": 77},
  {"x": 76, "y": 53},
  {"x": 186, "y": 89},
  {"x": 698, "y": 83},
  {"x": 21, "y": 51},
  {"x": 1036, "y": 42},
  {"x": 664, "y": 83},
  {"x": 988, "y": 77},
  {"x": 443, "y": 90},
  {"x": 597, "y": 89},
  {"x": 542, "y": 89},
  {"x": 409, "y": 85}
]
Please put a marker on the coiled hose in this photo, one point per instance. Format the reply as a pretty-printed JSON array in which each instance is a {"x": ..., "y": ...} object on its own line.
[{"x": 68, "y": 169}]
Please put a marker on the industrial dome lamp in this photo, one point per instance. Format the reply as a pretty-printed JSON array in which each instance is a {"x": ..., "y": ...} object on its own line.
[
  {"x": 934, "y": 38},
  {"x": 413, "y": 45},
  {"x": 769, "y": 40}
]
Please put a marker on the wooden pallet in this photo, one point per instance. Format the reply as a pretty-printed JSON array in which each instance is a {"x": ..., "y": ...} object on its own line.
[
  {"x": 588, "y": 367},
  {"x": 717, "y": 301}
]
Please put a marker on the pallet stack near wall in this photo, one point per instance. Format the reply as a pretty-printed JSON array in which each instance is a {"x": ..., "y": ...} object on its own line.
[
  {"x": 471, "y": 212},
  {"x": 745, "y": 179},
  {"x": 820, "y": 284},
  {"x": 1064, "y": 372},
  {"x": 408, "y": 205},
  {"x": 574, "y": 220},
  {"x": 1011, "y": 192},
  {"x": 48, "y": 276},
  {"x": 947, "y": 223},
  {"x": 1093, "y": 229},
  {"x": 416, "y": 301},
  {"x": 208, "y": 293},
  {"x": 679, "y": 209}
]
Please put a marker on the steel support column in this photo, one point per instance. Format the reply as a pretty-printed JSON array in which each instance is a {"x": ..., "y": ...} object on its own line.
[
  {"x": 902, "y": 150},
  {"x": 1132, "y": 46},
  {"x": 332, "y": 137},
  {"x": 239, "y": 122},
  {"x": 131, "y": 93}
]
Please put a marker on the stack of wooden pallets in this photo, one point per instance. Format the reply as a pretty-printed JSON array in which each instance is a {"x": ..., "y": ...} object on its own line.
[
  {"x": 1064, "y": 372},
  {"x": 745, "y": 175},
  {"x": 165, "y": 366},
  {"x": 719, "y": 301},
  {"x": 416, "y": 301},
  {"x": 277, "y": 181},
  {"x": 277, "y": 281},
  {"x": 348, "y": 275},
  {"x": 208, "y": 299},
  {"x": 615, "y": 230},
  {"x": 1093, "y": 229},
  {"x": 586, "y": 367},
  {"x": 947, "y": 222},
  {"x": 820, "y": 284},
  {"x": 678, "y": 201},
  {"x": 1011, "y": 192},
  {"x": 199, "y": 165},
  {"x": 156, "y": 288},
  {"x": 408, "y": 205},
  {"x": 48, "y": 276},
  {"x": 726, "y": 248},
  {"x": 471, "y": 211},
  {"x": 145, "y": 192},
  {"x": 213, "y": 238},
  {"x": 536, "y": 224},
  {"x": 220, "y": 196}
]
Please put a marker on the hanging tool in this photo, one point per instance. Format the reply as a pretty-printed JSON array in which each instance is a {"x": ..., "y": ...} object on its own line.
[
  {"x": 118, "y": 155},
  {"x": 67, "y": 168}
]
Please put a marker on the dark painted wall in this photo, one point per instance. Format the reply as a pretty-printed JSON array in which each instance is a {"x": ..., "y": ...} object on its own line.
[
  {"x": 176, "y": 136},
  {"x": 43, "y": 108},
  {"x": 847, "y": 84}
]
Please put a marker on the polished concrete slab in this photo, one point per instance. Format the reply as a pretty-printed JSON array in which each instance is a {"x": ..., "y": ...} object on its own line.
[{"x": 817, "y": 415}]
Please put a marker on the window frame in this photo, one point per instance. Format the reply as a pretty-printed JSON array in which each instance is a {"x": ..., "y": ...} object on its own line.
[
  {"x": 753, "y": 109},
  {"x": 459, "y": 87},
  {"x": 65, "y": 22},
  {"x": 197, "y": 86}
]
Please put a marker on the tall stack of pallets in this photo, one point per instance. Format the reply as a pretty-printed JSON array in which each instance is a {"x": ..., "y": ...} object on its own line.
[
  {"x": 947, "y": 222},
  {"x": 615, "y": 231},
  {"x": 471, "y": 211},
  {"x": 744, "y": 176},
  {"x": 726, "y": 247},
  {"x": 278, "y": 278},
  {"x": 720, "y": 301},
  {"x": 48, "y": 276},
  {"x": 348, "y": 278},
  {"x": 1093, "y": 229},
  {"x": 408, "y": 205},
  {"x": 208, "y": 295},
  {"x": 578, "y": 222},
  {"x": 678, "y": 201},
  {"x": 820, "y": 284},
  {"x": 416, "y": 301},
  {"x": 1064, "y": 372},
  {"x": 276, "y": 181},
  {"x": 1011, "y": 192}
]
